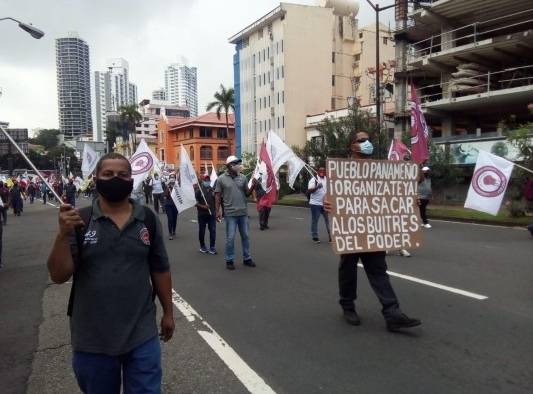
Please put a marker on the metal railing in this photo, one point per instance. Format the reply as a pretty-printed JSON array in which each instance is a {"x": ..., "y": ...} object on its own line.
[
  {"x": 488, "y": 82},
  {"x": 468, "y": 34}
]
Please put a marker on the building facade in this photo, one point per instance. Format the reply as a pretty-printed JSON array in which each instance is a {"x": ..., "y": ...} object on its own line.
[
  {"x": 470, "y": 63},
  {"x": 159, "y": 94},
  {"x": 73, "y": 86},
  {"x": 113, "y": 89},
  {"x": 205, "y": 138},
  {"x": 294, "y": 61},
  {"x": 181, "y": 86}
]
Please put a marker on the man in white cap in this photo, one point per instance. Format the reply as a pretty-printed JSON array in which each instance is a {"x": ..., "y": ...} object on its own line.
[
  {"x": 424, "y": 195},
  {"x": 231, "y": 192}
]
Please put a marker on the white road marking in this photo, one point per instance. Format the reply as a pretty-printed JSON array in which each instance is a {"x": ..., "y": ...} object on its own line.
[
  {"x": 55, "y": 206},
  {"x": 436, "y": 285},
  {"x": 248, "y": 377}
]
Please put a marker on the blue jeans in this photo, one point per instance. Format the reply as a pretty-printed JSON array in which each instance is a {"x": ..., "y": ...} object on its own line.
[
  {"x": 232, "y": 222},
  {"x": 140, "y": 369},
  {"x": 316, "y": 211},
  {"x": 211, "y": 222},
  {"x": 172, "y": 218}
]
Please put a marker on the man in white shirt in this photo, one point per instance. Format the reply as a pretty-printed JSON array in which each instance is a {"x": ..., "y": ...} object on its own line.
[
  {"x": 317, "y": 189},
  {"x": 157, "y": 192}
]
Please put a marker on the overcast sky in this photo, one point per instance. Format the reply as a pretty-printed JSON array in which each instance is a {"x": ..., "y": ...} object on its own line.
[{"x": 149, "y": 34}]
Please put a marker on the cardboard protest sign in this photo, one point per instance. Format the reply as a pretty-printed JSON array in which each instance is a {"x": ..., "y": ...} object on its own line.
[{"x": 374, "y": 205}]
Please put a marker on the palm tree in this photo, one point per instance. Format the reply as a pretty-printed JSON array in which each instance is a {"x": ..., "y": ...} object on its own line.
[
  {"x": 224, "y": 101},
  {"x": 130, "y": 117}
]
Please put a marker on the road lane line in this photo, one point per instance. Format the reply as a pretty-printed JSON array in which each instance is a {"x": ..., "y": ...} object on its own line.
[
  {"x": 436, "y": 285},
  {"x": 247, "y": 376},
  {"x": 55, "y": 206}
]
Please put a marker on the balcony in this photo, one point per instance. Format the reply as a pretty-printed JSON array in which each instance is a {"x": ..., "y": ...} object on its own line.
[{"x": 480, "y": 90}]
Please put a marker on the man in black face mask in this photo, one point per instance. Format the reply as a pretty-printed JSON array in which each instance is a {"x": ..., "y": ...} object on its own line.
[
  {"x": 112, "y": 312},
  {"x": 375, "y": 267}
]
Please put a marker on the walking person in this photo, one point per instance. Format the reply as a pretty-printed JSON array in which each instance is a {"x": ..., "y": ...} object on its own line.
[
  {"x": 317, "y": 189},
  {"x": 375, "y": 266},
  {"x": 117, "y": 263},
  {"x": 170, "y": 207},
  {"x": 231, "y": 191},
  {"x": 424, "y": 195},
  {"x": 15, "y": 199},
  {"x": 44, "y": 192},
  {"x": 4, "y": 197},
  {"x": 147, "y": 190},
  {"x": 206, "y": 215},
  {"x": 32, "y": 191},
  {"x": 70, "y": 192},
  {"x": 264, "y": 206},
  {"x": 157, "y": 192}
]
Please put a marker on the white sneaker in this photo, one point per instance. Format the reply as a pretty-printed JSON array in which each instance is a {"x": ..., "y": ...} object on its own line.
[
  {"x": 427, "y": 225},
  {"x": 404, "y": 253}
]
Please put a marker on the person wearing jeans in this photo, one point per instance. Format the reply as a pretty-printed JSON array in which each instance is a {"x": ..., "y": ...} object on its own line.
[
  {"x": 232, "y": 190},
  {"x": 205, "y": 203},
  {"x": 317, "y": 189}
]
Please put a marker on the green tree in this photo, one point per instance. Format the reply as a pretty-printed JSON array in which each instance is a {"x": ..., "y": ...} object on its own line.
[
  {"x": 224, "y": 102},
  {"x": 48, "y": 138},
  {"x": 129, "y": 117}
]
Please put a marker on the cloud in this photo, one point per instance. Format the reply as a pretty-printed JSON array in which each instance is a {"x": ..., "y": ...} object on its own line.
[{"x": 148, "y": 34}]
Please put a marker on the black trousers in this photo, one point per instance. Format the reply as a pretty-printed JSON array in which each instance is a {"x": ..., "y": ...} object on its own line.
[
  {"x": 423, "y": 214},
  {"x": 158, "y": 200},
  {"x": 264, "y": 214},
  {"x": 376, "y": 270}
]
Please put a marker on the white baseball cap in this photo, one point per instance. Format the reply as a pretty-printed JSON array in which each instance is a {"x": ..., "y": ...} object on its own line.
[
  {"x": 233, "y": 159},
  {"x": 426, "y": 168}
]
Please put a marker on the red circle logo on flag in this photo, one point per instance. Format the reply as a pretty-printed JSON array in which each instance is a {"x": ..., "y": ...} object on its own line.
[
  {"x": 145, "y": 236},
  {"x": 488, "y": 181},
  {"x": 141, "y": 162}
]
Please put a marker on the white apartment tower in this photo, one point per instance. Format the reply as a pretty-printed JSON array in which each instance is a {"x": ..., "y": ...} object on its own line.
[
  {"x": 159, "y": 94},
  {"x": 295, "y": 61},
  {"x": 73, "y": 86},
  {"x": 181, "y": 86},
  {"x": 113, "y": 90}
]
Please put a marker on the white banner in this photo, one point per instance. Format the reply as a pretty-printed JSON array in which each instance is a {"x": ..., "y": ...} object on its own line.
[
  {"x": 142, "y": 163},
  {"x": 213, "y": 177},
  {"x": 186, "y": 168},
  {"x": 89, "y": 159},
  {"x": 183, "y": 196},
  {"x": 489, "y": 183},
  {"x": 278, "y": 151},
  {"x": 295, "y": 165}
]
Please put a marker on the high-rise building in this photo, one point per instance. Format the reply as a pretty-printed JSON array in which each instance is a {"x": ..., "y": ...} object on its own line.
[
  {"x": 73, "y": 86},
  {"x": 181, "y": 86},
  {"x": 159, "y": 94},
  {"x": 113, "y": 90},
  {"x": 295, "y": 61}
]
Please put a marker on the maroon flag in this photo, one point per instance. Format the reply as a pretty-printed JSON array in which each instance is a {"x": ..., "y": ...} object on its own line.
[
  {"x": 398, "y": 150},
  {"x": 269, "y": 184},
  {"x": 419, "y": 130}
]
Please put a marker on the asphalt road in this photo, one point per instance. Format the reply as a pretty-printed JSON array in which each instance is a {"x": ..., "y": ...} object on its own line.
[{"x": 283, "y": 320}]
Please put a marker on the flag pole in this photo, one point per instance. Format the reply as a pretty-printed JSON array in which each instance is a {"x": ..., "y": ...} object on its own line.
[
  {"x": 56, "y": 195},
  {"x": 524, "y": 168}
]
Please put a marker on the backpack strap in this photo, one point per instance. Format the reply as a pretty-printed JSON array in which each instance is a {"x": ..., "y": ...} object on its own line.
[{"x": 86, "y": 214}]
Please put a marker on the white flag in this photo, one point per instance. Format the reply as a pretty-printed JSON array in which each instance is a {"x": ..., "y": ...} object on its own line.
[
  {"x": 489, "y": 182},
  {"x": 183, "y": 195},
  {"x": 142, "y": 163},
  {"x": 279, "y": 151},
  {"x": 186, "y": 168},
  {"x": 89, "y": 159},
  {"x": 295, "y": 165},
  {"x": 213, "y": 177}
]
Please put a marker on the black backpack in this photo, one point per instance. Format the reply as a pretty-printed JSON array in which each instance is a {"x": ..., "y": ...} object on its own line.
[{"x": 86, "y": 214}]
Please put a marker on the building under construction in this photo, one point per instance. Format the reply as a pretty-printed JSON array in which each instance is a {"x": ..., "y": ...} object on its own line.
[{"x": 472, "y": 64}]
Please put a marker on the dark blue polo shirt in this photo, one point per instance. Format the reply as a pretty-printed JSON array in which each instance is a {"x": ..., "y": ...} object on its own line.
[{"x": 113, "y": 311}]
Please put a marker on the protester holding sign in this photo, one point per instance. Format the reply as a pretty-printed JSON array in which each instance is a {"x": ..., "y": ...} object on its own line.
[
  {"x": 317, "y": 189},
  {"x": 232, "y": 190},
  {"x": 361, "y": 215}
]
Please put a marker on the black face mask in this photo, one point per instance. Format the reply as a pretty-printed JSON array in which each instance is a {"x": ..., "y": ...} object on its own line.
[{"x": 115, "y": 189}]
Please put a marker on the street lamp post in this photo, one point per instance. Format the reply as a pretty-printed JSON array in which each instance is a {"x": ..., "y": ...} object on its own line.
[
  {"x": 27, "y": 27},
  {"x": 377, "y": 9}
]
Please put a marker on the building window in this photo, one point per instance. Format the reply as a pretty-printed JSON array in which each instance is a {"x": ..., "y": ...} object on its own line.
[
  {"x": 158, "y": 111},
  {"x": 283, "y": 96},
  {"x": 281, "y": 45},
  {"x": 333, "y": 57},
  {"x": 191, "y": 132},
  {"x": 191, "y": 153},
  {"x": 264, "y": 102},
  {"x": 333, "y": 103},
  {"x": 282, "y": 71},
  {"x": 260, "y": 104},
  {"x": 206, "y": 153},
  {"x": 278, "y": 100},
  {"x": 264, "y": 53},
  {"x": 260, "y": 80},
  {"x": 277, "y": 47},
  {"x": 222, "y": 152},
  {"x": 268, "y": 52},
  {"x": 269, "y": 125},
  {"x": 269, "y": 77},
  {"x": 283, "y": 121},
  {"x": 264, "y": 78},
  {"x": 361, "y": 35},
  {"x": 333, "y": 80},
  {"x": 277, "y": 73},
  {"x": 162, "y": 155},
  {"x": 222, "y": 133},
  {"x": 278, "y": 122},
  {"x": 385, "y": 39},
  {"x": 269, "y": 101},
  {"x": 357, "y": 57},
  {"x": 206, "y": 132}
]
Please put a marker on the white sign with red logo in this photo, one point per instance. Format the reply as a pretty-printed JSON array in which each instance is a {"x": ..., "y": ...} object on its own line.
[
  {"x": 489, "y": 183},
  {"x": 142, "y": 163}
]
